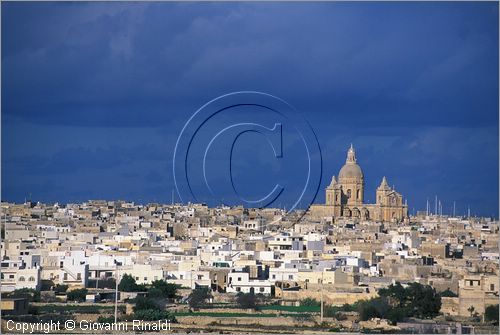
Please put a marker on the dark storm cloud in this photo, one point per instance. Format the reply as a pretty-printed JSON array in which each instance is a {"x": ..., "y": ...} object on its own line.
[{"x": 398, "y": 80}]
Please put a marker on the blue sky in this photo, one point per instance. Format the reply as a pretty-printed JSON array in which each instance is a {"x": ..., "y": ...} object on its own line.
[{"x": 94, "y": 95}]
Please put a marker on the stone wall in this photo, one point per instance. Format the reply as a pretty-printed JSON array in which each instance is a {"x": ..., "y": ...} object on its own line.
[{"x": 330, "y": 298}]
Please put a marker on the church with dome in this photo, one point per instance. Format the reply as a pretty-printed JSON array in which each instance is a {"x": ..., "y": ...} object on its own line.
[{"x": 344, "y": 197}]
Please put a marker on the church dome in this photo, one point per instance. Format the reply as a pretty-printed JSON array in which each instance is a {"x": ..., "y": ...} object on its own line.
[{"x": 351, "y": 169}]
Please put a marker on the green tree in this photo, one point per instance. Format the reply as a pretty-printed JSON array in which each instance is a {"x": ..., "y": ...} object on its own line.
[
  {"x": 162, "y": 289},
  {"x": 77, "y": 295},
  {"x": 199, "y": 297},
  {"x": 423, "y": 301},
  {"x": 46, "y": 285},
  {"x": 128, "y": 284},
  {"x": 491, "y": 314},
  {"x": 142, "y": 303},
  {"x": 397, "y": 314},
  {"x": 395, "y": 293},
  {"x": 60, "y": 288},
  {"x": 373, "y": 308},
  {"x": 146, "y": 309},
  {"x": 246, "y": 300},
  {"x": 416, "y": 300},
  {"x": 27, "y": 293},
  {"x": 339, "y": 316}
]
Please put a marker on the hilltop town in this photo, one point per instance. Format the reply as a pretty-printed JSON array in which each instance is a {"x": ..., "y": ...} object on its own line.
[
  {"x": 289, "y": 262},
  {"x": 341, "y": 266}
]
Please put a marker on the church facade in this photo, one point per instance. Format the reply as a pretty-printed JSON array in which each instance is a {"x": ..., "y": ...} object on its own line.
[{"x": 344, "y": 197}]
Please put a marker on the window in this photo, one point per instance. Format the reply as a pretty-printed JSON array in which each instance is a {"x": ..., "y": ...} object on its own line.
[
  {"x": 238, "y": 289},
  {"x": 274, "y": 276},
  {"x": 79, "y": 276},
  {"x": 290, "y": 277},
  {"x": 348, "y": 194},
  {"x": 32, "y": 278},
  {"x": 239, "y": 278},
  {"x": 21, "y": 278},
  {"x": 261, "y": 289},
  {"x": 492, "y": 287}
]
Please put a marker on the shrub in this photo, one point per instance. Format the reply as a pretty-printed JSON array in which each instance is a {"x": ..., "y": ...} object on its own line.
[
  {"x": 162, "y": 289},
  {"x": 46, "y": 285},
  {"x": 309, "y": 302},
  {"x": 78, "y": 295},
  {"x": 142, "y": 303},
  {"x": 491, "y": 314},
  {"x": 60, "y": 288},
  {"x": 246, "y": 300},
  {"x": 28, "y": 293},
  {"x": 448, "y": 293},
  {"x": 339, "y": 316},
  {"x": 106, "y": 319},
  {"x": 198, "y": 297},
  {"x": 373, "y": 308},
  {"x": 154, "y": 315}
]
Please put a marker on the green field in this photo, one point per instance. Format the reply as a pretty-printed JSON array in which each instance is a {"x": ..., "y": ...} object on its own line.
[
  {"x": 296, "y": 309},
  {"x": 241, "y": 315},
  {"x": 82, "y": 309}
]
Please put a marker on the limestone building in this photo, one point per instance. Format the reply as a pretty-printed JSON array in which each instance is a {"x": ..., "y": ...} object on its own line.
[{"x": 344, "y": 197}]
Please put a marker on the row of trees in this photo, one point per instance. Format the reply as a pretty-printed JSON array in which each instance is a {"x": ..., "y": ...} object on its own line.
[
  {"x": 157, "y": 289},
  {"x": 397, "y": 302},
  {"x": 394, "y": 303},
  {"x": 151, "y": 306}
]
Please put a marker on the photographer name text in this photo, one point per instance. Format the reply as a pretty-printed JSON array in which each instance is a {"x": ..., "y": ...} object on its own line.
[{"x": 86, "y": 325}]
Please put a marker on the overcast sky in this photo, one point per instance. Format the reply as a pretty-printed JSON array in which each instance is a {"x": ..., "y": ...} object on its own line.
[{"x": 94, "y": 95}]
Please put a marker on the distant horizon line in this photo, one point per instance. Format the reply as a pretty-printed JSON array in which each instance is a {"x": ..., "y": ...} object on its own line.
[{"x": 138, "y": 203}]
